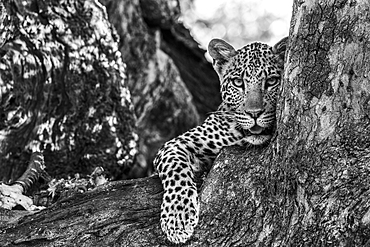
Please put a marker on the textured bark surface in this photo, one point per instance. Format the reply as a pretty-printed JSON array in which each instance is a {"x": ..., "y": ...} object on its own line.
[
  {"x": 62, "y": 90},
  {"x": 173, "y": 87},
  {"x": 309, "y": 187},
  {"x": 124, "y": 213}
]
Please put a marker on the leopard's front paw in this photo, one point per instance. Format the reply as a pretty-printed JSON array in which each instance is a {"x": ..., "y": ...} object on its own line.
[{"x": 179, "y": 214}]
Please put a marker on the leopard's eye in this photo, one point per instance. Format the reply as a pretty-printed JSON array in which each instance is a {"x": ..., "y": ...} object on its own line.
[
  {"x": 272, "y": 81},
  {"x": 238, "y": 83}
]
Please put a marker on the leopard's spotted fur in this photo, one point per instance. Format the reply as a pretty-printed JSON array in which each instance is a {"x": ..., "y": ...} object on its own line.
[{"x": 250, "y": 79}]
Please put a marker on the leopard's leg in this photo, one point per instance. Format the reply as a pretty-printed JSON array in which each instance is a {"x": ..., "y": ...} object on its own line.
[
  {"x": 177, "y": 162},
  {"x": 180, "y": 206}
]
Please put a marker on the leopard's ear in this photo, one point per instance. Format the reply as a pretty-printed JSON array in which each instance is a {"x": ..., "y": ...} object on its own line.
[
  {"x": 279, "y": 49},
  {"x": 220, "y": 50}
]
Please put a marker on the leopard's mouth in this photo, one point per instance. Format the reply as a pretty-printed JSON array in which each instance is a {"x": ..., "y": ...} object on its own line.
[{"x": 258, "y": 130}]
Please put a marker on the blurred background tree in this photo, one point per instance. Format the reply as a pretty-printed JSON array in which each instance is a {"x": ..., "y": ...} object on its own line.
[{"x": 237, "y": 21}]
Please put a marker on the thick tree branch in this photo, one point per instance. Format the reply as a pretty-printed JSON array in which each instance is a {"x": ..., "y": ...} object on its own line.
[{"x": 117, "y": 213}]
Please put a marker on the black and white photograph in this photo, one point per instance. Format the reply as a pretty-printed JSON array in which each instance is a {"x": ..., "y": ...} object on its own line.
[{"x": 197, "y": 123}]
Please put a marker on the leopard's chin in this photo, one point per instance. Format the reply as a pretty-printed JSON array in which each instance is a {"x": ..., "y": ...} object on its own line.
[
  {"x": 258, "y": 135},
  {"x": 258, "y": 139}
]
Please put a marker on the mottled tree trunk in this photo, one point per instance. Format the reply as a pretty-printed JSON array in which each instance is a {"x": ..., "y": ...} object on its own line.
[
  {"x": 62, "y": 90},
  {"x": 309, "y": 187}
]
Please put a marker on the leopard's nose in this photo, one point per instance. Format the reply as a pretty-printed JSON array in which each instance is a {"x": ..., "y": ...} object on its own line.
[{"x": 255, "y": 114}]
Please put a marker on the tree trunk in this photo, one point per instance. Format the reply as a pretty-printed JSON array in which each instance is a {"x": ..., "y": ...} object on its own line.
[
  {"x": 309, "y": 187},
  {"x": 170, "y": 94},
  {"x": 62, "y": 90}
]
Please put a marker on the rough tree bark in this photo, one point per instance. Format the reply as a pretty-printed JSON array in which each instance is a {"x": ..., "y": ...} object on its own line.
[
  {"x": 62, "y": 90},
  {"x": 309, "y": 187}
]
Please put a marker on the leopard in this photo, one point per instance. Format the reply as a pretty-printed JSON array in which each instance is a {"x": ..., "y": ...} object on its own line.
[{"x": 250, "y": 79}]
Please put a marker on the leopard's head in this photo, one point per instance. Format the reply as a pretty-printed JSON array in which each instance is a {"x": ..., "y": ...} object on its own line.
[{"x": 250, "y": 80}]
